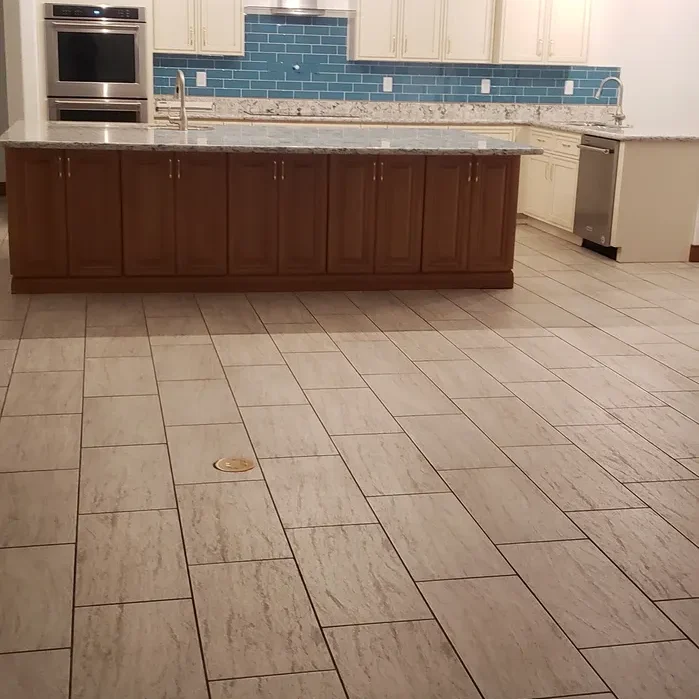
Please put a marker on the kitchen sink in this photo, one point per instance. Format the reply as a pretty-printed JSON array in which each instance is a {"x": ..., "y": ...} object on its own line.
[
  {"x": 172, "y": 127},
  {"x": 598, "y": 124}
]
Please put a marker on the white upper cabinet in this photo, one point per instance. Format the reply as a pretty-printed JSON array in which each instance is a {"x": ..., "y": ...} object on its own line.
[
  {"x": 468, "y": 31},
  {"x": 199, "y": 26},
  {"x": 543, "y": 31},
  {"x": 421, "y": 24},
  {"x": 375, "y": 30}
]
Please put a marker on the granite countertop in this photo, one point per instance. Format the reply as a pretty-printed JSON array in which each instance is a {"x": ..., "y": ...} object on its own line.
[{"x": 259, "y": 138}]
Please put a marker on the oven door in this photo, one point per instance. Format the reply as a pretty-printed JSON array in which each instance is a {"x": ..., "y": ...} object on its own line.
[
  {"x": 96, "y": 59},
  {"x": 120, "y": 111}
]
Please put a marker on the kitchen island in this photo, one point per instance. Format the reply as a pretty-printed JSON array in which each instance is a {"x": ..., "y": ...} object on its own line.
[{"x": 258, "y": 207}]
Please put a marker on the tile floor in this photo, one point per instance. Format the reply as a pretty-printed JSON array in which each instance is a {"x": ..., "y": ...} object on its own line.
[{"x": 457, "y": 494}]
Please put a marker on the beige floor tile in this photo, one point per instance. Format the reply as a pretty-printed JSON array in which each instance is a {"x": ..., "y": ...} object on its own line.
[
  {"x": 352, "y": 323},
  {"x": 45, "y": 393},
  {"x": 36, "y": 589},
  {"x": 179, "y": 363},
  {"x": 571, "y": 478},
  {"x": 323, "y": 370},
  {"x": 178, "y": 331},
  {"x": 327, "y": 303},
  {"x": 687, "y": 402},
  {"x": 425, "y": 346},
  {"x": 106, "y": 342},
  {"x": 117, "y": 312},
  {"x": 410, "y": 660},
  {"x": 58, "y": 302},
  {"x": 553, "y": 353},
  {"x": 396, "y": 318},
  {"x": 509, "y": 507},
  {"x": 122, "y": 421},
  {"x": 437, "y": 538},
  {"x": 594, "y": 603},
  {"x": 225, "y": 522},
  {"x": 548, "y": 315},
  {"x": 511, "y": 646},
  {"x": 42, "y": 324},
  {"x": 453, "y": 442},
  {"x": 121, "y": 479},
  {"x": 300, "y": 337},
  {"x": 40, "y": 675},
  {"x": 509, "y": 323},
  {"x": 64, "y": 354},
  {"x": 244, "y": 322},
  {"x": 685, "y": 613},
  {"x": 39, "y": 443},
  {"x": 352, "y": 411},
  {"x": 676, "y": 501},
  {"x": 247, "y": 350},
  {"x": 669, "y": 430},
  {"x": 120, "y": 376},
  {"x": 38, "y": 508},
  {"x": 510, "y": 423},
  {"x": 653, "y": 554},
  {"x": 410, "y": 394},
  {"x": 170, "y": 305},
  {"x": 203, "y": 402},
  {"x": 649, "y": 671},
  {"x": 11, "y": 331},
  {"x": 431, "y": 305},
  {"x": 130, "y": 557},
  {"x": 195, "y": 448},
  {"x": 649, "y": 374},
  {"x": 470, "y": 338},
  {"x": 315, "y": 491},
  {"x": 681, "y": 358},
  {"x": 256, "y": 619},
  {"x": 508, "y": 365},
  {"x": 14, "y": 306},
  {"x": 284, "y": 431},
  {"x": 691, "y": 464},
  {"x": 463, "y": 379},
  {"x": 594, "y": 342},
  {"x": 280, "y": 308},
  {"x": 264, "y": 386},
  {"x": 354, "y": 576},
  {"x": 138, "y": 650},
  {"x": 388, "y": 464},
  {"x": 635, "y": 334},
  {"x": 312, "y": 685},
  {"x": 7, "y": 359},
  {"x": 377, "y": 357}
]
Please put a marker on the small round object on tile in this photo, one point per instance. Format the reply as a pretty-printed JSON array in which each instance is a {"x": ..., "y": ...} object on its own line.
[{"x": 234, "y": 465}]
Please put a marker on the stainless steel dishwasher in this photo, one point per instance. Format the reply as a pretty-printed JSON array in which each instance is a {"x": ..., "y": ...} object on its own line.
[{"x": 594, "y": 207}]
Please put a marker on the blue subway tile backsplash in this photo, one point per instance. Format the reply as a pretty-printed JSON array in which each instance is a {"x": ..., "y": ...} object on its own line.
[{"x": 306, "y": 58}]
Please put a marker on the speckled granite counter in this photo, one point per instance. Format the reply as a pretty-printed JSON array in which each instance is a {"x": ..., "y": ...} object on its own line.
[{"x": 260, "y": 138}]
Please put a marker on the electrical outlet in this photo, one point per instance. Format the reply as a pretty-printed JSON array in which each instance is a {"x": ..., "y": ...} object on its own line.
[
  {"x": 485, "y": 86},
  {"x": 569, "y": 88},
  {"x": 388, "y": 84},
  {"x": 201, "y": 78}
]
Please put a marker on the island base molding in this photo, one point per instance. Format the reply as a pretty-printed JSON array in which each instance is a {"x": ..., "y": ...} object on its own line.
[{"x": 694, "y": 253}]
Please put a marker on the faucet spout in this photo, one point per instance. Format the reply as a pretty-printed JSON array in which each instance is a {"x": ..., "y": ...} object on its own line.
[
  {"x": 619, "y": 116},
  {"x": 180, "y": 92}
]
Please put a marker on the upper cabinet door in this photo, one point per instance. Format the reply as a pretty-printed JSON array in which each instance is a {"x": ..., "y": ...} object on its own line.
[
  {"x": 421, "y": 30},
  {"x": 569, "y": 31},
  {"x": 222, "y": 27},
  {"x": 375, "y": 30},
  {"x": 522, "y": 27},
  {"x": 468, "y": 31},
  {"x": 174, "y": 24}
]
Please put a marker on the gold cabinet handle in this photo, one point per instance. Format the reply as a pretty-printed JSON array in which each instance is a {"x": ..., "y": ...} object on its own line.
[
  {"x": 382, "y": 170},
  {"x": 478, "y": 172},
  {"x": 179, "y": 169},
  {"x": 283, "y": 170},
  {"x": 470, "y": 171},
  {"x": 205, "y": 37},
  {"x": 374, "y": 171},
  {"x": 191, "y": 35},
  {"x": 68, "y": 167},
  {"x": 170, "y": 168},
  {"x": 539, "y": 47},
  {"x": 393, "y": 44},
  {"x": 60, "y": 167},
  {"x": 449, "y": 46},
  {"x": 405, "y": 45},
  {"x": 551, "y": 45},
  {"x": 275, "y": 170}
]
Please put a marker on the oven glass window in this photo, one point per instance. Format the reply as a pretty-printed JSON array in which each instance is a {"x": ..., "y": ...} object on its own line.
[
  {"x": 96, "y": 58},
  {"x": 97, "y": 115}
]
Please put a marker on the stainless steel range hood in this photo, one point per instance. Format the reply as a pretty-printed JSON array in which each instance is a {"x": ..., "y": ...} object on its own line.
[{"x": 298, "y": 8}]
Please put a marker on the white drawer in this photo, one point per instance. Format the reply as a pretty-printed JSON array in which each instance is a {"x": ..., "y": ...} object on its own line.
[{"x": 556, "y": 142}]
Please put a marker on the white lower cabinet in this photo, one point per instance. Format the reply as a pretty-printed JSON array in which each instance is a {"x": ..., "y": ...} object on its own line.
[{"x": 564, "y": 184}]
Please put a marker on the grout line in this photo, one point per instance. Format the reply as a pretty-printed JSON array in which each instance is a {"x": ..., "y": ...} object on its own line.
[
  {"x": 248, "y": 560},
  {"x": 135, "y": 601}
]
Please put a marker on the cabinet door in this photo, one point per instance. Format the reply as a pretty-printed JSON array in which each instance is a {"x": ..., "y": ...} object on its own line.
[
  {"x": 352, "y": 214},
  {"x": 253, "y": 213},
  {"x": 421, "y": 28},
  {"x": 569, "y": 31},
  {"x": 93, "y": 213},
  {"x": 201, "y": 214},
  {"x": 303, "y": 214},
  {"x": 468, "y": 31},
  {"x": 222, "y": 27},
  {"x": 148, "y": 208},
  {"x": 36, "y": 201},
  {"x": 537, "y": 187},
  {"x": 564, "y": 185},
  {"x": 376, "y": 29},
  {"x": 174, "y": 23},
  {"x": 494, "y": 216},
  {"x": 522, "y": 31},
  {"x": 446, "y": 229},
  {"x": 399, "y": 214}
]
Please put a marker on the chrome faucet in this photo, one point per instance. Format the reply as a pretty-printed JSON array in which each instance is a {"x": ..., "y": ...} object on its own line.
[
  {"x": 183, "y": 121},
  {"x": 619, "y": 116}
]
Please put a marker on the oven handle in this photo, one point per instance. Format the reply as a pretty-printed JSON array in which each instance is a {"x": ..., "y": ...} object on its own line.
[
  {"x": 102, "y": 103},
  {"x": 595, "y": 149},
  {"x": 111, "y": 26}
]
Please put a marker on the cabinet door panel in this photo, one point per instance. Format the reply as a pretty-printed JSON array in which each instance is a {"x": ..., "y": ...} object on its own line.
[
  {"x": 148, "y": 206},
  {"x": 569, "y": 31},
  {"x": 537, "y": 187},
  {"x": 494, "y": 217},
  {"x": 468, "y": 33},
  {"x": 174, "y": 24},
  {"x": 564, "y": 181},
  {"x": 522, "y": 31},
  {"x": 36, "y": 199},
  {"x": 93, "y": 213},
  {"x": 222, "y": 31},
  {"x": 352, "y": 214},
  {"x": 399, "y": 216},
  {"x": 421, "y": 30},
  {"x": 201, "y": 208},
  {"x": 303, "y": 214},
  {"x": 253, "y": 213},
  {"x": 376, "y": 29},
  {"x": 447, "y": 213}
]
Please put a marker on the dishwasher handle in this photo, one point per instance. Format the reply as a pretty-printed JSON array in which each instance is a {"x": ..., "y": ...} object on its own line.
[{"x": 595, "y": 149}]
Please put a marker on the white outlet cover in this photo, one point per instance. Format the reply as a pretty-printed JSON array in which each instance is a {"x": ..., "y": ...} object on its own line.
[
  {"x": 201, "y": 78},
  {"x": 569, "y": 88},
  {"x": 388, "y": 84},
  {"x": 485, "y": 86}
]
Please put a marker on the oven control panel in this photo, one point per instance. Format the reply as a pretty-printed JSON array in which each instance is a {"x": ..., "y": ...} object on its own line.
[{"x": 130, "y": 14}]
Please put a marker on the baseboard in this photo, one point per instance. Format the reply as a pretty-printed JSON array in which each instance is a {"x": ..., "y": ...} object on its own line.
[
  {"x": 523, "y": 219},
  {"x": 694, "y": 253}
]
